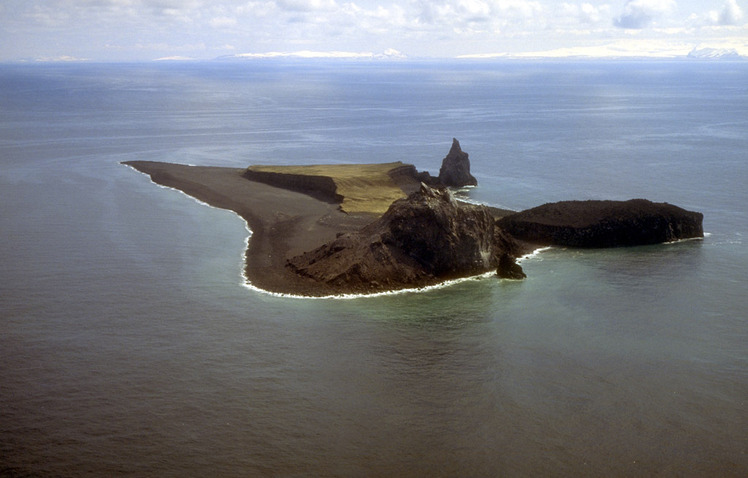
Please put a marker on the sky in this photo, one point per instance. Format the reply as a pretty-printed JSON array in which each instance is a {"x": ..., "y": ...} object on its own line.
[{"x": 144, "y": 30}]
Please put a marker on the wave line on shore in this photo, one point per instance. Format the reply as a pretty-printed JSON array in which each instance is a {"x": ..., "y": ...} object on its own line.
[{"x": 411, "y": 290}]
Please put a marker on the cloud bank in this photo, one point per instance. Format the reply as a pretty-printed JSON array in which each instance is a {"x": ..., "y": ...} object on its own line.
[{"x": 146, "y": 29}]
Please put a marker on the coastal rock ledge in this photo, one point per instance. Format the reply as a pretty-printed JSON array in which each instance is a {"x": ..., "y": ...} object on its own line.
[
  {"x": 598, "y": 224},
  {"x": 424, "y": 239}
]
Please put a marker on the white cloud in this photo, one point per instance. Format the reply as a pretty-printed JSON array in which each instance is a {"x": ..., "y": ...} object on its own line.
[
  {"x": 731, "y": 14},
  {"x": 436, "y": 28},
  {"x": 440, "y": 12},
  {"x": 222, "y": 22},
  {"x": 256, "y": 9},
  {"x": 582, "y": 14},
  {"x": 589, "y": 13},
  {"x": 638, "y": 14},
  {"x": 623, "y": 48},
  {"x": 61, "y": 12},
  {"x": 48, "y": 17},
  {"x": 519, "y": 8},
  {"x": 306, "y": 5},
  {"x": 168, "y": 7},
  {"x": 378, "y": 21},
  {"x": 168, "y": 47},
  {"x": 474, "y": 18}
]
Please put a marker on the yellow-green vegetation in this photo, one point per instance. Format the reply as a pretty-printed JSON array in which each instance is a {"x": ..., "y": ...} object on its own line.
[{"x": 364, "y": 187}]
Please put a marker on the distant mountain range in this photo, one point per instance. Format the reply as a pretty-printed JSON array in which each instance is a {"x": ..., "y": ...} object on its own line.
[
  {"x": 715, "y": 54},
  {"x": 696, "y": 53},
  {"x": 610, "y": 52},
  {"x": 390, "y": 54}
]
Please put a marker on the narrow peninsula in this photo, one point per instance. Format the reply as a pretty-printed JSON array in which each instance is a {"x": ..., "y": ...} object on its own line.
[{"x": 322, "y": 230}]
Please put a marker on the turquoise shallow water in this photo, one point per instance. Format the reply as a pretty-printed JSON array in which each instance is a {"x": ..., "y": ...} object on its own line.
[{"x": 130, "y": 346}]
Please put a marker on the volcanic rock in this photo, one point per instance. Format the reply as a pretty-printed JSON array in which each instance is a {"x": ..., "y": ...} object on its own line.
[
  {"x": 603, "y": 223},
  {"x": 509, "y": 269},
  {"x": 421, "y": 240},
  {"x": 455, "y": 169}
]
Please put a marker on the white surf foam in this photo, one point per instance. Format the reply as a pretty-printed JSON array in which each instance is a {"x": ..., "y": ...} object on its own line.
[
  {"x": 533, "y": 254},
  {"x": 412, "y": 290}
]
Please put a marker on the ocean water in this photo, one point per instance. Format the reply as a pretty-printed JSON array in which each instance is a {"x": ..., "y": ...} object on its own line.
[{"x": 130, "y": 346}]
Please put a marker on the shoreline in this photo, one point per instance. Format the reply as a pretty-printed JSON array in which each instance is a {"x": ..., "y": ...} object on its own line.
[
  {"x": 410, "y": 290},
  {"x": 282, "y": 224}
]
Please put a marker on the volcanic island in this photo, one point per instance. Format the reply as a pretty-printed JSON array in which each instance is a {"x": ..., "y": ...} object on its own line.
[{"x": 329, "y": 230}]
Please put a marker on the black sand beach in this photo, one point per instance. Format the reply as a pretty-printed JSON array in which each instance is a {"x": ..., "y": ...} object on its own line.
[{"x": 284, "y": 223}]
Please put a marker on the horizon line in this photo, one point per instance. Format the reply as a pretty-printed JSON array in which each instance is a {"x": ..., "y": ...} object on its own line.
[{"x": 591, "y": 54}]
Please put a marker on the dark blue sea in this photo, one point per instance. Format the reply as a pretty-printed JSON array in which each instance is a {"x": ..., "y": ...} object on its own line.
[{"x": 130, "y": 345}]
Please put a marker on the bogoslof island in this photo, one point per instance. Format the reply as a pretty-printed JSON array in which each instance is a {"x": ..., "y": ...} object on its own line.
[{"x": 325, "y": 230}]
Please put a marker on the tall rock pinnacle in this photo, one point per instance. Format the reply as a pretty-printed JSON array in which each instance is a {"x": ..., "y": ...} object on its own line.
[{"x": 455, "y": 170}]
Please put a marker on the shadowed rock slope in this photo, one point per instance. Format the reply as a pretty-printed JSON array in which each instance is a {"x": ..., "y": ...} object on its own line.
[
  {"x": 603, "y": 223},
  {"x": 356, "y": 187},
  {"x": 369, "y": 188}
]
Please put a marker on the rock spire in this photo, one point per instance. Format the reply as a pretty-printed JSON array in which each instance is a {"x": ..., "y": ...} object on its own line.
[{"x": 455, "y": 170}]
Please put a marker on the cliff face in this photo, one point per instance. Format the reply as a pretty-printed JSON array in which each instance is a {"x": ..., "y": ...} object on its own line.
[
  {"x": 353, "y": 184},
  {"x": 319, "y": 187},
  {"x": 426, "y": 238},
  {"x": 603, "y": 223},
  {"x": 357, "y": 188}
]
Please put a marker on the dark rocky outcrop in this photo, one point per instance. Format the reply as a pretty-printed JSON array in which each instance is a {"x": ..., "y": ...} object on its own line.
[
  {"x": 603, "y": 223},
  {"x": 455, "y": 169},
  {"x": 424, "y": 239},
  {"x": 509, "y": 269},
  {"x": 410, "y": 179}
]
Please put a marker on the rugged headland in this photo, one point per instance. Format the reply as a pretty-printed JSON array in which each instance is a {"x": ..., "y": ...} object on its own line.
[
  {"x": 423, "y": 239},
  {"x": 324, "y": 230},
  {"x": 597, "y": 224}
]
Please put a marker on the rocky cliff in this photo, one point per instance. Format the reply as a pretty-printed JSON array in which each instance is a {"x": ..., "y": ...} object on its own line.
[
  {"x": 603, "y": 223},
  {"x": 424, "y": 239},
  {"x": 357, "y": 183},
  {"x": 317, "y": 186},
  {"x": 455, "y": 169}
]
